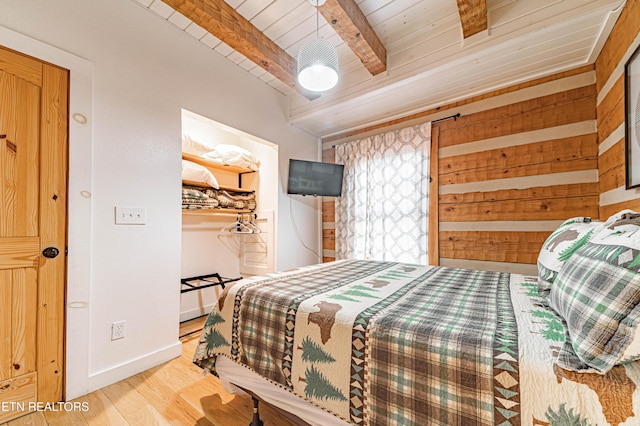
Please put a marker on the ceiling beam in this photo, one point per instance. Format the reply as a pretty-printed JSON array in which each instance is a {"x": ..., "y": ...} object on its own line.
[
  {"x": 352, "y": 26},
  {"x": 225, "y": 23},
  {"x": 473, "y": 15}
]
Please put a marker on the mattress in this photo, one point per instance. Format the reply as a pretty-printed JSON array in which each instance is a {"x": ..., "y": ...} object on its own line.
[{"x": 378, "y": 343}]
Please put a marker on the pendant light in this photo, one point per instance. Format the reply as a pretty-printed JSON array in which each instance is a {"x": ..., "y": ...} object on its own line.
[{"x": 317, "y": 61}]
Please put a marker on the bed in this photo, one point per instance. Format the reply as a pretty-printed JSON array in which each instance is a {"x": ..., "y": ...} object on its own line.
[{"x": 379, "y": 343}]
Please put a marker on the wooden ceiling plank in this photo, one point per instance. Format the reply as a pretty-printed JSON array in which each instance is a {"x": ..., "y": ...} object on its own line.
[
  {"x": 221, "y": 20},
  {"x": 349, "y": 22},
  {"x": 473, "y": 16}
]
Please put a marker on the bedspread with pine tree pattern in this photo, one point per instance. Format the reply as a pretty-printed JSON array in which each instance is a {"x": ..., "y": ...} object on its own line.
[{"x": 384, "y": 343}]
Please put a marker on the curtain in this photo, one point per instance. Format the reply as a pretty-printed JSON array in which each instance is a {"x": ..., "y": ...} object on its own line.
[{"x": 383, "y": 211}]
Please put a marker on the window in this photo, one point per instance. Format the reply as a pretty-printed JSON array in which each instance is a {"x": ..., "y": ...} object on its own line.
[{"x": 383, "y": 211}]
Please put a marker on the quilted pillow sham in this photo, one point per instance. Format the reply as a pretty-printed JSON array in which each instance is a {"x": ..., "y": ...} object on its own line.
[
  {"x": 597, "y": 294},
  {"x": 558, "y": 248}
]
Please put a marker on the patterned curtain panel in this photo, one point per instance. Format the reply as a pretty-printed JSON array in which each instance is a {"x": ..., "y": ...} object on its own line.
[{"x": 383, "y": 211}]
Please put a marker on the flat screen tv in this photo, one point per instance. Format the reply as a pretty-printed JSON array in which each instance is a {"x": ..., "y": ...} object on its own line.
[{"x": 314, "y": 178}]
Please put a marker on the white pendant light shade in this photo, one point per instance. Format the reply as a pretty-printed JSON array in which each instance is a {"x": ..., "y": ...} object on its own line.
[{"x": 318, "y": 65}]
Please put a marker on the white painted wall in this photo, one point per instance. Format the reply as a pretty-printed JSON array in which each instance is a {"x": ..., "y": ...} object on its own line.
[{"x": 132, "y": 73}]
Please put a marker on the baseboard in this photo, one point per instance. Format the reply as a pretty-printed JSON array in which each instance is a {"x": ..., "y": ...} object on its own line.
[
  {"x": 130, "y": 368},
  {"x": 196, "y": 312}
]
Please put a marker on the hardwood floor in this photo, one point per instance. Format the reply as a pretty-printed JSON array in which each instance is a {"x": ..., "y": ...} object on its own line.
[
  {"x": 174, "y": 393},
  {"x": 193, "y": 326}
]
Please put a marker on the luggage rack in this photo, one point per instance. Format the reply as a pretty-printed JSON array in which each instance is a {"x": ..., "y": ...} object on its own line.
[{"x": 212, "y": 280}]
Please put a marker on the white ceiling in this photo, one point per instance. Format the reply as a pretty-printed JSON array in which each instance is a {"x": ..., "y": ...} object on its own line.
[{"x": 429, "y": 64}]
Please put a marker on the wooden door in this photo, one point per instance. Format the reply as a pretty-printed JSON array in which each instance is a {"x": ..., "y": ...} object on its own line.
[{"x": 33, "y": 204}]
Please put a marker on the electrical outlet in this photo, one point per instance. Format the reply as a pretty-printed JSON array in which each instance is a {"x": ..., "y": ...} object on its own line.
[
  {"x": 131, "y": 215},
  {"x": 118, "y": 330}
]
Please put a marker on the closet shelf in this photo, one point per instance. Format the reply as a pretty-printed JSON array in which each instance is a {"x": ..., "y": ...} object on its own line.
[
  {"x": 215, "y": 212},
  {"x": 213, "y": 165},
  {"x": 225, "y": 188}
]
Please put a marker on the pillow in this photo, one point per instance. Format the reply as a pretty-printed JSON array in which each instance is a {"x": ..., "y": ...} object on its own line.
[
  {"x": 622, "y": 220},
  {"x": 197, "y": 173},
  {"x": 559, "y": 247},
  {"x": 597, "y": 294},
  {"x": 233, "y": 155},
  {"x": 192, "y": 146}
]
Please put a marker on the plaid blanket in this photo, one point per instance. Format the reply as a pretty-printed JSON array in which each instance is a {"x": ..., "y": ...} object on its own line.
[
  {"x": 382, "y": 343},
  {"x": 420, "y": 353}
]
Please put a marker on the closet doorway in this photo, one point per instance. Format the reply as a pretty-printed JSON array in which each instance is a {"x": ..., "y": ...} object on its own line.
[{"x": 230, "y": 233}]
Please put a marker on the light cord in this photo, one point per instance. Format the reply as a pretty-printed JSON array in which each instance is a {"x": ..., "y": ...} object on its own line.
[
  {"x": 317, "y": 25},
  {"x": 295, "y": 230}
]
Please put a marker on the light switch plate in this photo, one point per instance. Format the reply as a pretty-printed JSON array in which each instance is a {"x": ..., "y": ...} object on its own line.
[{"x": 131, "y": 215}]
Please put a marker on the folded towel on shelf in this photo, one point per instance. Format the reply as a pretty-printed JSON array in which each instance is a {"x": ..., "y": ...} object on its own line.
[
  {"x": 194, "y": 198},
  {"x": 195, "y": 194},
  {"x": 226, "y": 201},
  {"x": 192, "y": 195},
  {"x": 239, "y": 196},
  {"x": 199, "y": 206},
  {"x": 240, "y": 200},
  {"x": 210, "y": 202}
]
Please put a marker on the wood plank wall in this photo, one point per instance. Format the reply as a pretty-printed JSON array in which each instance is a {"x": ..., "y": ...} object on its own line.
[
  {"x": 622, "y": 42},
  {"x": 516, "y": 164},
  {"x": 512, "y": 170},
  {"x": 328, "y": 216}
]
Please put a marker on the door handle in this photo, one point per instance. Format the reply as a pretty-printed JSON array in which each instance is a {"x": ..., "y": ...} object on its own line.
[{"x": 50, "y": 252}]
